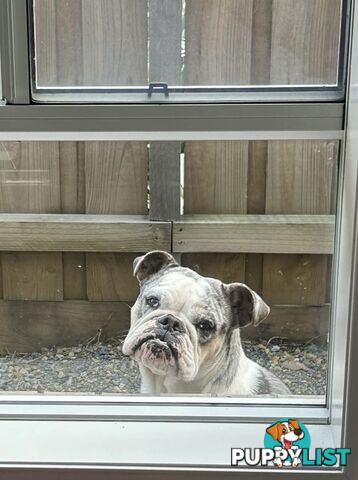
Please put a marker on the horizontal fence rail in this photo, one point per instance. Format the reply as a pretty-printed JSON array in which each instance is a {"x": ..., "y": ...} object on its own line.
[
  {"x": 84, "y": 233},
  {"x": 255, "y": 233}
]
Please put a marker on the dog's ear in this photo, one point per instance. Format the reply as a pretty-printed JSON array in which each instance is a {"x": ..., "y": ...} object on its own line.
[
  {"x": 150, "y": 263},
  {"x": 273, "y": 431},
  {"x": 295, "y": 424},
  {"x": 247, "y": 306}
]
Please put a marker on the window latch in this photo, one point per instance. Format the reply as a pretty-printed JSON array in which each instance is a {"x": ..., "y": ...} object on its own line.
[{"x": 158, "y": 87}]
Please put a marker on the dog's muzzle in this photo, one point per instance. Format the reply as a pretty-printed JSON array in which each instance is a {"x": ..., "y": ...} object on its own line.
[{"x": 163, "y": 345}]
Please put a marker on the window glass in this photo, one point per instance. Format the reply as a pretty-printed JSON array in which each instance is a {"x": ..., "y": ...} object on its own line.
[
  {"x": 200, "y": 48},
  {"x": 258, "y": 213}
]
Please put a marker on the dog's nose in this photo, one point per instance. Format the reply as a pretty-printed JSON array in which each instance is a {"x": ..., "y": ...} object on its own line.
[
  {"x": 171, "y": 324},
  {"x": 298, "y": 431}
]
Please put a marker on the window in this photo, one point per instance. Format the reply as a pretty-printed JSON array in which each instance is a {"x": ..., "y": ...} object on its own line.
[
  {"x": 243, "y": 169},
  {"x": 200, "y": 50}
]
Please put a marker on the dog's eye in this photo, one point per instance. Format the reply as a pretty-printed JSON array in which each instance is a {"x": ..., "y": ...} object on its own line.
[
  {"x": 205, "y": 326},
  {"x": 284, "y": 430},
  {"x": 152, "y": 302}
]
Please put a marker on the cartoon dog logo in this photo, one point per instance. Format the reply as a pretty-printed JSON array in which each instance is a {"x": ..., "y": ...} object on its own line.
[{"x": 286, "y": 433}]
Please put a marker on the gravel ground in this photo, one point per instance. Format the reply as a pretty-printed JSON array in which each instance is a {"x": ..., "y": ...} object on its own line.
[{"x": 97, "y": 368}]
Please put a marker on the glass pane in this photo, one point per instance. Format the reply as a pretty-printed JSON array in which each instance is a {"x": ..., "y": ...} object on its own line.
[
  {"x": 200, "y": 48},
  {"x": 257, "y": 216}
]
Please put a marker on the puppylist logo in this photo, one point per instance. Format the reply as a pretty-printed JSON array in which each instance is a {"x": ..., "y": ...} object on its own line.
[{"x": 287, "y": 444}]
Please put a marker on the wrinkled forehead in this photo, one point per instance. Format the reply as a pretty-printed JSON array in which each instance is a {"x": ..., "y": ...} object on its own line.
[{"x": 182, "y": 285}]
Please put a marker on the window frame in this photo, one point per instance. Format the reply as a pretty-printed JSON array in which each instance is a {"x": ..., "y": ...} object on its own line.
[
  {"x": 19, "y": 120},
  {"x": 195, "y": 94}
]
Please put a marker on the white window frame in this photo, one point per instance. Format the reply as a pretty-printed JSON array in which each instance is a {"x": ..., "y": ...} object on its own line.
[{"x": 112, "y": 437}]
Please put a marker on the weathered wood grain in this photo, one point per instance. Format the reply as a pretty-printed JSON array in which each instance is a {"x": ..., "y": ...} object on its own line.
[
  {"x": 164, "y": 178},
  {"x": 116, "y": 183},
  {"x": 254, "y": 271},
  {"x": 29, "y": 177},
  {"x": 115, "y": 38},
  {"x": 72, "y": 175},
  {"x": 74, "y": 276},
  {"x": 30, "y": 182},
  {"x": 301, "y": 177},
  {"x": 45, "y": 42},
  {"x": 295, "y": 279},
  {"x": 254, "y": 234},
  {"x": 116, "y": 177},
  {"x": 165, "y": 32},
  {"x": 82, "y": 233},
  {"x": 216, "y": 181},
  {"x": 216, "y": 177},
  {"x": 218, "y": 42},
  {"x": 296, "y": 324},
  {"x": 256, "y": 182},
  {"x": 305, "y": 39},
  {"x": 68, "y": 57},
  {"x": 29, "y": 326},
  {"x": 261, "y": 42},
  {"x": 29, "y": 276},
  {"x": 165, "y": 64},
  {"x": 227, "y": 267},
  {"x": 110, "y": 277}
]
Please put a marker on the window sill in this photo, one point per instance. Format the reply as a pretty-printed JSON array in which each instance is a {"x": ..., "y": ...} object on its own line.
[{"x": 135, "y": 444}]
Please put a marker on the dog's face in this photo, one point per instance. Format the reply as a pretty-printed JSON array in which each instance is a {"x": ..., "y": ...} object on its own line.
[
  {"x": 181, "y": 321},
  {"x": 286, "y": 432}
]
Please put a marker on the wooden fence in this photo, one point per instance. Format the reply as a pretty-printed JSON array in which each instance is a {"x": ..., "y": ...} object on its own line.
[
  {"x": 75, "y": 214},
  {"x": 191, "y": 42}
]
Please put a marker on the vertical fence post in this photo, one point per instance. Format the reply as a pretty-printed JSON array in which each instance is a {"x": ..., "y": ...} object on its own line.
[{"x": 165, "y": 30}]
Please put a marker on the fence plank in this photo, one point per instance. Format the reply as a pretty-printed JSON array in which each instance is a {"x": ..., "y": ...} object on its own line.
[
  {"x": 261, "y": 42},
  {"x": 295, "y": 279},
  {"x": 29, "y": 177},
  {"x": 218, "y": 42},
  {"x": 301, "y": 178},
  {"x": 30, "y": 326},
  {"x": 110, "y": 277},
  {"x": 216, "y": 177},
  {"x": 164, "y": 177},
  {"x": 305, "y": 39},
  {"x": 296, "y": 324},
  {"x": 116, "y": 183},
  {"x": 254, "y": 234},
  {"x": 227, "y": 267},
  {"x": 165, "y": 30},
  {"x": 115, "y": 37},
  {"x": 256, "y": 196},
  {"x": 74, "y": 276},
  {"x": 78, "y": 233},
  {"x": 72, "y": 173},
  {"x": 69, "y": 53},
  {"x": 30, "y": 182},
  {"x": 45, "y": 42},
  {"x": 29, "y": 276},
  {"x": 116, "y": 177}
]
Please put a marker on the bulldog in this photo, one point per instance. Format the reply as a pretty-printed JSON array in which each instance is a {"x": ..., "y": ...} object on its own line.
[{"x": 185, "y": 332}]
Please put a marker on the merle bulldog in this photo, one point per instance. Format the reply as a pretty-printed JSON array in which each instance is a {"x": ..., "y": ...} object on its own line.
[{"x": 185, "y": 332}]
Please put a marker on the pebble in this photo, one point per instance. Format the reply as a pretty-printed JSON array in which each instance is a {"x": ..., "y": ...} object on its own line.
[{"x": 101, "y": 368}]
